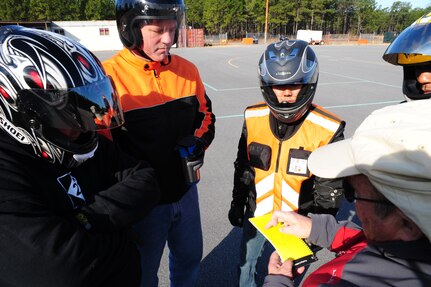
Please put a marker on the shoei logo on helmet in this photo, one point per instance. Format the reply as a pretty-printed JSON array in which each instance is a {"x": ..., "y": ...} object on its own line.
[{"x": 13, "y": 130}]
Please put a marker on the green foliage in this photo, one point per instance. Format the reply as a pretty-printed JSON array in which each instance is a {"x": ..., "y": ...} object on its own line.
[
  {"x": 14, "y": 10},
  {"x": 56, "y": 10},
  {"x": 238, "y": 17},
  {"x": 100, "y": 9},
  {"x": 194, "y": 13},
  {"x": 46, "y": 10}
]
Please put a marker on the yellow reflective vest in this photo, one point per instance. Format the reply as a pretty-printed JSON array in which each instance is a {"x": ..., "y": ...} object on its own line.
[{"x": 281, "y": 165}]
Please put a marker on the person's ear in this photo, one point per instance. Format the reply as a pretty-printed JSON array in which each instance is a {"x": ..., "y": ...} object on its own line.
[{"x": 408, "y": 231}]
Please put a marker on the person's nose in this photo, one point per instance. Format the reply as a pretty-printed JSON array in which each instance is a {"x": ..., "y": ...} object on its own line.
[
  {"x": 287, "y": 93},
  {"x": 424, "y": 78},
  {"x": 168, "y": 37}
]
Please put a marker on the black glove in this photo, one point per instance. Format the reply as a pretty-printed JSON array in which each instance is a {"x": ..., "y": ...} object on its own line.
[
  {"x": 192, "y": 152},
  {"x": 192, "y": 146},
  {"x": 199, "y": 150},
  {"x": 236, "y": 214}
]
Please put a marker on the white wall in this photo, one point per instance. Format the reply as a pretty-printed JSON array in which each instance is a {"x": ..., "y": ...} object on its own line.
[{"x": 88, "y": 34}]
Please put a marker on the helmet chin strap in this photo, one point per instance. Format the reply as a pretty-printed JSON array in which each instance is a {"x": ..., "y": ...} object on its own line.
[
  {"x": 142, "y": 54},
  {"x": 81, "y": 158}
]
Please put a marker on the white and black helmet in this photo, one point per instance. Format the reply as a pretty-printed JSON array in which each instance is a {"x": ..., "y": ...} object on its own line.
[
  {"x": 411, "y": 49},
  {"x": 131, "y": 14},
  {"x": 284, "y": 63},
  {"x": 54, "y": 95}
]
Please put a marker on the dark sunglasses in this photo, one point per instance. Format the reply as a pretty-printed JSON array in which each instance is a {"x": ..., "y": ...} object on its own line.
[{"x": 350, "y": 195}]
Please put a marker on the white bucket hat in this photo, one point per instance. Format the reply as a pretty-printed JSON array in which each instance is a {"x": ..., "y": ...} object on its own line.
[{"x": 392, "y": 147}]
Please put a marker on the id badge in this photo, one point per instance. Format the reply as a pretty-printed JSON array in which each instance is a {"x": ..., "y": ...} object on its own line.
[{"x": 297, "y": 163}]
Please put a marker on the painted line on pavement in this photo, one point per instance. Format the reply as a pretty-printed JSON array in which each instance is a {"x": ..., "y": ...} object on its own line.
[{"x": 326, "y": 107}]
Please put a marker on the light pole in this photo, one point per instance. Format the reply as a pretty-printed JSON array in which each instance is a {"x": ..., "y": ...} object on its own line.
[
  {"x": 266, "y": 19},
  {"x": 184, "y": 32}
]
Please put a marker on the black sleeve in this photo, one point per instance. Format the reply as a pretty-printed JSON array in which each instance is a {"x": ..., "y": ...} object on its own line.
[
  {"x": 43, "y": 248},
  {"x": 322, "y": 195},
  {"x": 133, "y": 194},
  {"x": 243, "y": 174},
  {"x": 339, "y": 134},
  {"x": 328, "y": 192},
  {"x": 125, "y": 202}
]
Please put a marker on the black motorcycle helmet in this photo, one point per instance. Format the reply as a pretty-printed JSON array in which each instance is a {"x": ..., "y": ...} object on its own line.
[
  {"x": 54, "y": 95},
  {"x": 283, "y": 63},
  {"x": 412, "y": 50},
  {"x": 131, "y": 14}
]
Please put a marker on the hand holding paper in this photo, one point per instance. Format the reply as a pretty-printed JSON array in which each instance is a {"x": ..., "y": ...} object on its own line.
[
  {"x": 276, "y": 267},
  {"x": 293, "y": 223},
  {"x": 288, "y": 246}
]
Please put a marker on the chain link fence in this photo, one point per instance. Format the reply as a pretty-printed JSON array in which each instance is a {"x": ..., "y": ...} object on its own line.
[
  {"x": 329, "y": 39},
  {"x": 215, "y": 40}
]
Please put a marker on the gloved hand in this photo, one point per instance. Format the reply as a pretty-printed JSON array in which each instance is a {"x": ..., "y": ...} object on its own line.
[
  {"x": 236, "y": 214},
  {"x": 192, "y": 152},
  {"x": 199, "y": 150},
  {"x": 191, "y": 146}
]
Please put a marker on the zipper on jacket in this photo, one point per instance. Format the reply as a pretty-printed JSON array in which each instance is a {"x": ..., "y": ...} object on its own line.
[
  {"x": 155, "y": 73},
  {"x": 278, "y": 156},
  {"x": 159, "y": 85}
]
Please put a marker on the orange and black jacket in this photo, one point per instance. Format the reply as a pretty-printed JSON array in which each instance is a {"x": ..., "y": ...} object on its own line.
[{"x": 162, "y": 103}]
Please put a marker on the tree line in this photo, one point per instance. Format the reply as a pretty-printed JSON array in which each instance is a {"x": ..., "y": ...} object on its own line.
[
  {"x": 238, "y": 17},
  {"x": 56, "y": 10}
]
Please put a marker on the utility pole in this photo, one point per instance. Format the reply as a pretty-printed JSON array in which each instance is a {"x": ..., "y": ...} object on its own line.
[{"x": 266, "y": 19}]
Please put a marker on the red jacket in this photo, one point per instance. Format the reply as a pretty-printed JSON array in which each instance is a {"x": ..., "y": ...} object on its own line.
[{"x": 362, "y": 263}]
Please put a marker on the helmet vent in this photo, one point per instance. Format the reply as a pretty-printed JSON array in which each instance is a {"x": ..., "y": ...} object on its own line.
[
  {"x": 32, "y": 78},
  {"x": 45, "y": 155},
  {"x": 5, "y": 94},
  {"x": 84, "y": 63}
]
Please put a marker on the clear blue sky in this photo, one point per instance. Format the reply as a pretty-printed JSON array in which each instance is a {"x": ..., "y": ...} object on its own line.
[{"x": 415, "y": 3}]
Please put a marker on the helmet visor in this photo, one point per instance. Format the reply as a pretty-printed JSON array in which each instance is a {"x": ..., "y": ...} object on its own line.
[
  {"x": 160, "y": 11},
  {"x": 412, "y": 46},
  {"x": 82, "y": 109}
]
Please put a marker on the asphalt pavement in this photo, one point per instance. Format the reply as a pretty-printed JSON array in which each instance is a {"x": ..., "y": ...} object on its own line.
[{"x": 354, "y": 80}]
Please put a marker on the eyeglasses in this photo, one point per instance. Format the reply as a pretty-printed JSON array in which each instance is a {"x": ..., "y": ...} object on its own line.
[{"x": 350, "y": 195}]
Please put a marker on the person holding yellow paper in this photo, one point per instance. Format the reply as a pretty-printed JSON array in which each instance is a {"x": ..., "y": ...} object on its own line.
[
  {"x": 386, "y": 167},
  {"x": 289, "y": 247},
  {"x": 278, "y": 136}
]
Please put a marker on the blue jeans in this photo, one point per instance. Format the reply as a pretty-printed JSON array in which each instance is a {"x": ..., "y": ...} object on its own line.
[
  {"x": 179, "y": 225},
  {"x": 252, "y": 245}
]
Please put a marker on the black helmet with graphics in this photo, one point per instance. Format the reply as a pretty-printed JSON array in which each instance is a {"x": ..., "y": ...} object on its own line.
[
  {"x": 412, "y": 50},
  {"x": 285, "y": 63},
  {"x": 54, "y": 95},
  {"x": 131, "y": 14}
]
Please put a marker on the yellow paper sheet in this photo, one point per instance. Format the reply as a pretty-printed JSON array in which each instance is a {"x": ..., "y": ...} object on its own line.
[{"x": 288, "y": 246}]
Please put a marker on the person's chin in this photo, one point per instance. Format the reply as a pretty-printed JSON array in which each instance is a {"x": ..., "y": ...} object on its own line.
[{"x": 160, "y": 57}]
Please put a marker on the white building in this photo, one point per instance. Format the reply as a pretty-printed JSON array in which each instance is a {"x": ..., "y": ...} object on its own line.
[{"x": 95, "y": 35}]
